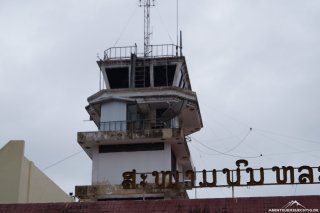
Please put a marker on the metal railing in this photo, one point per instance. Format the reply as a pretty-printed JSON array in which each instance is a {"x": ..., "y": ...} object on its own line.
[
  {"x": 116, "y": 53},
  {"x": 162, "y": 50},
  {"x": 119, "y": 126}
]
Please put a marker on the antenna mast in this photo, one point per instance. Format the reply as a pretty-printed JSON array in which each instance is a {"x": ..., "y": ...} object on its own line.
[{"x": 147, "y": 34}]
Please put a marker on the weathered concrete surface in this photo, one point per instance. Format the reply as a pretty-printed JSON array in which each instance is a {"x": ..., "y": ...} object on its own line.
[
  {"x": 228, "y": 205},
  {"x": 105, "y": 191}
]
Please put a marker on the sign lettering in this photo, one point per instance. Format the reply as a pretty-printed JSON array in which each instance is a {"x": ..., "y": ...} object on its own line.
[{"x": 241, "y": 176}]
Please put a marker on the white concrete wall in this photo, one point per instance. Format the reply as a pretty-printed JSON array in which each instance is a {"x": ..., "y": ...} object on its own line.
[
  {"x": 108, "y": 167},
  {"x": 177, "y": 75},
  {"x": 105, "y": 77},
  {"x": 22, "y": 182},
  {"x": 11, "y": 156},
  {"x": 42, "y": 189},
  {"x": 113, "y": 111}
]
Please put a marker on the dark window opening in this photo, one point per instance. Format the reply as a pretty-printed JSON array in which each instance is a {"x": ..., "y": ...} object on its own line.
[
  {"x": 159, "y": 113},
  {"x": 159, "y": 123},
  {"x": 118, "y": 77},
  {"x": 132, "y": 112},
  {"x": 142, "y": 77},
  {"x": 131, "y": 147},
  {"x": 164, "y": 75},
  {"x": 134, "y": 118},
  {"x": 173, "y": 162}
]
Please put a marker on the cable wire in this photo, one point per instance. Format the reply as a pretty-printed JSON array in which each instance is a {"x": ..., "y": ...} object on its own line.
[
  {"x": 126, "y": 26},
  {"x": 60, "y": 161},
  {"x": 223, "y": 153},
  {"x": 261, "y": 130},
  {"x": 297, "y": 150},
  {"x": 290, "y": 137},
  {"x": 161, "y": 20},
  {"x": 201, "y": 151},
  {"x": 241, "y": 141}
]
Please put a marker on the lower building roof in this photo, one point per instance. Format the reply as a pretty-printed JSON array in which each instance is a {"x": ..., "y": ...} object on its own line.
[{"x": 234, "y": 205}]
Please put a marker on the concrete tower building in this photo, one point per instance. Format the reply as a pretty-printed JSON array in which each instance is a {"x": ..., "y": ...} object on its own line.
[{"x": 144, "y": 117}]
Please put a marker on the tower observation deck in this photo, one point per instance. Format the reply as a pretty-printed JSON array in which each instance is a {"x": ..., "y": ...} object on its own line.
[{"x": 144, "y": 117}]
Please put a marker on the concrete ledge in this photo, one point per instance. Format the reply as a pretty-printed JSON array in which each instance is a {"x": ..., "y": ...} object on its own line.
[
  {"x": 116, "y": 137},
  {"x": 111, "y": 192}
]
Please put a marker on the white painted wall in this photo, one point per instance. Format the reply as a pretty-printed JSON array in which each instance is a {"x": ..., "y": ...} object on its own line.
[
  {"x": 105, "y": 77},
  {"x": 108, "y": 167},
  {"x": 113, "y": 111},
  {"x": 22, "y": 182},
  {"x": 177, "y": 75}
]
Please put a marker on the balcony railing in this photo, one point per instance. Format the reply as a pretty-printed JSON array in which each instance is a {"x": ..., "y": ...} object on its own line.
[
  {"x": 162, "y": 50},
  {"x": 119, "y": 126},
  {"x": 118, "y": 53}
]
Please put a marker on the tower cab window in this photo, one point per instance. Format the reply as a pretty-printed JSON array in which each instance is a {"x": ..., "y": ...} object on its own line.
[
  {"x": 163, "y": 75},
  {"x": 118, "y": 77}
]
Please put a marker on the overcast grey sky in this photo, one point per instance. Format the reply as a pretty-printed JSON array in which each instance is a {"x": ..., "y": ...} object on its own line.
[{"x": 253, "y": 63}]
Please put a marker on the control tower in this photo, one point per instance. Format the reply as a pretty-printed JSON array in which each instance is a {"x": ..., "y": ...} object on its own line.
[{"x": 144, "y": 117}]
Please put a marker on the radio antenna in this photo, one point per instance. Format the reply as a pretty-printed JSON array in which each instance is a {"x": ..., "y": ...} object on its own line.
[
  {"x": 147, "y": 4},
  {"x": 177, "y": 22}
]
